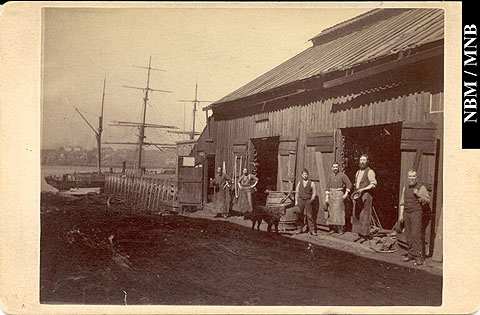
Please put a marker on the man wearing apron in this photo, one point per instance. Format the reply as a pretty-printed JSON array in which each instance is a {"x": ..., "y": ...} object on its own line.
[
  {"x": 413, "y": 199},
  {"x": 246, "y": 183},
  {"x": 365, "y": 181},
  {"x": 304, "y": 197},
  {"x": 335, "y": 196},
  {"x": 221, "y": 189}
]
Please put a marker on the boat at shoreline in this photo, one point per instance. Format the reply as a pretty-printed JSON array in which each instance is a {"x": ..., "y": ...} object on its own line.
[
  {"x": 76, "y": 180},
  {"x": 87, "y": 179},
  {"x": 97, "y": 179}
]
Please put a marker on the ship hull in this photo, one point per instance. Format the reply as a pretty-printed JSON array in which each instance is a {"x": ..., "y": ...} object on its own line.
[{"x": 68, "y": 181}]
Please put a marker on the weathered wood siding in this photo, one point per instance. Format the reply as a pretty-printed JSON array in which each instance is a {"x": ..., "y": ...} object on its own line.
[
  {"x": 205, "y": 140},
  {"x": 297, "y": 121},
  {"x": 325, "y": 116}
]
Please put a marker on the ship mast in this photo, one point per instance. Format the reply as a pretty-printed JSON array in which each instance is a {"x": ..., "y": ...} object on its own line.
[
  {"x": 159, "y": 146},
  {"x": 98, "y": 131},
  {"x": 195, "y": 102},
  {"x": 142, "y": 125}
]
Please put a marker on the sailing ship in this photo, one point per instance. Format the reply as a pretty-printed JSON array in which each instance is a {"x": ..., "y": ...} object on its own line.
[
  {"x": 87, "y": 179},
  {"x": 139, "y": 167},
  {"x": 97, "y": 179}
]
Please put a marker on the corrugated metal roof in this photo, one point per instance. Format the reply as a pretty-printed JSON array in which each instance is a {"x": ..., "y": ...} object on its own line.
[
  {"x": 406, "y": 30},
  {"x": 356, "y": 23}
]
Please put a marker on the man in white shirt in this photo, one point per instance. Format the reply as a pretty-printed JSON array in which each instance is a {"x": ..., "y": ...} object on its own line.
[{"x": 365, "y": 181}]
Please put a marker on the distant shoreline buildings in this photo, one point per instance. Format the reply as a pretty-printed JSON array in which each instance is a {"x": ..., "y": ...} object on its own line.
[{"x": 79, "y": 156}]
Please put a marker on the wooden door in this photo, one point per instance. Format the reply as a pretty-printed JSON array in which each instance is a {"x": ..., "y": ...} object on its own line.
[
  {"x": 190, "y": 180},
  {"x": 240, "y": 153},
  {"x": 287, "y": 163},
  {"x": 419, "y": 152},
  {"x": 320, "y": 153}
]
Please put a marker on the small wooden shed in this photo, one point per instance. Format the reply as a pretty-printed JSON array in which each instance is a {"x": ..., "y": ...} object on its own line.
[{"x": 373, "y": 84}]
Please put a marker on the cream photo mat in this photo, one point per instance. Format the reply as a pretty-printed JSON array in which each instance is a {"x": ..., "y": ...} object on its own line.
[{"x": 20, "y": 122}]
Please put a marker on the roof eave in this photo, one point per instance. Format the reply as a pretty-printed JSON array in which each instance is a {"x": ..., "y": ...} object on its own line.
[
  {"x": 355, "y": 24},
  {"x": 339, "y": 77}
]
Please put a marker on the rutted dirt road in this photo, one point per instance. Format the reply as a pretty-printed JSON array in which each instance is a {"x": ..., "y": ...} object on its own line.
[{"x": 95, "y": 254}]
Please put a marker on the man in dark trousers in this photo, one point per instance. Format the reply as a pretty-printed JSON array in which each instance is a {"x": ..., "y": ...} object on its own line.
[
  {"x": 304, "y": 197},
  {"x": 362, "y": 198},
  {"x": 413, "y": 199}
]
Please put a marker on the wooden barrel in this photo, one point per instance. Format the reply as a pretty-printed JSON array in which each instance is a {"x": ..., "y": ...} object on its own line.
[{"x": 290, "y": 214}]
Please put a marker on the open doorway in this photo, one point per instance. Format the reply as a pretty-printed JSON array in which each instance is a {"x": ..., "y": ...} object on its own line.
[
  {"x": 265, "y": 166},
  {"x": 382, "y": 144}
]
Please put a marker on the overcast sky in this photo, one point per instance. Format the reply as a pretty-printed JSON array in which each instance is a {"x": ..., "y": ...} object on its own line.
[{"x": 221, "y": 49}]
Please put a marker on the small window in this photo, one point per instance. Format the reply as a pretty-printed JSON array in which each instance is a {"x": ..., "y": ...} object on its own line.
[
  {"x": 436, "y": 103},
  {"x": 261, "y": 125},
  {"x": 261, "y": 117}
]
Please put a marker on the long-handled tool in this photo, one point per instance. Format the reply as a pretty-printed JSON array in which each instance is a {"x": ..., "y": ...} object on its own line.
[
  {"x": 387, "y": 243},
  {"x": 235, "y": 175}
]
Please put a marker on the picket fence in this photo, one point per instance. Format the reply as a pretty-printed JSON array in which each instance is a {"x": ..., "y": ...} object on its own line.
[{"x": 146, "y": 193}]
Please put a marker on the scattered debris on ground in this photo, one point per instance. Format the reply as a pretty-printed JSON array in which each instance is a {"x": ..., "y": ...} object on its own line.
[{"x": 94, "y": 252}]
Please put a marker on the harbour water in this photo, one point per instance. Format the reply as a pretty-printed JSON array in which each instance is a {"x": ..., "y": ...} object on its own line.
[{"x": 68, "y": 169}]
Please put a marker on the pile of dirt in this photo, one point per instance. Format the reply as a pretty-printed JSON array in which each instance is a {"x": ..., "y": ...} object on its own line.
[{"x": 92, "y": 253}]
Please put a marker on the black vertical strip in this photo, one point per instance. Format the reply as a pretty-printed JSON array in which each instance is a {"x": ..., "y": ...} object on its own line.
[{"x": 469, "y": 102}]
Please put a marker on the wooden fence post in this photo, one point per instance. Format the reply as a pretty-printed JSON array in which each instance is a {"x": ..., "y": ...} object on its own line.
[
  {"x": 124, "y": 182},
  {"x": 135, "y": 190},
  {"x": 157, "y": 195},
  {"x": 105, "y": 189},
  {"x": 150, "y": 195},
  {"x": 114, "y": 185}
]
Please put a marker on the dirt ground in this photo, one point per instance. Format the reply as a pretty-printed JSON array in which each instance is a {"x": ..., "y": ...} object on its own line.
[{"x": 95, "y": 254}]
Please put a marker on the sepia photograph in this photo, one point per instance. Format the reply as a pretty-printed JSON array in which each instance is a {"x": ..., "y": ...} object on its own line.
[
  {"x": 238, "y": 158},
  {"x": 204, "y": 156}
]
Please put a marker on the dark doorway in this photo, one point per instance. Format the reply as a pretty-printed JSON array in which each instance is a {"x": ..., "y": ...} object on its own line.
[
  {"x": 382, "y": 144},
  {"x": 265, "y": 166},
  {"x": 210, "y": 174}
]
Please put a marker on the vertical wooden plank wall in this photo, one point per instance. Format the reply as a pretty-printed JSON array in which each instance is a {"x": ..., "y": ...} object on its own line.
[
  {"x": 316, "y": 116},
  {"x": 324, "y": 115}
]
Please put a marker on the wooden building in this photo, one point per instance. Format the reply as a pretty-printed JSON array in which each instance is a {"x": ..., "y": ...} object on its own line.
[{"x": 372, "y": 84}]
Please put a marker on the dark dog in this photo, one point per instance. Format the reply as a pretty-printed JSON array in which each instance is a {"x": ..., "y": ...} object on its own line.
[
  {"x": 257, "y": 217},
  {"x": 271, "y": 215}
]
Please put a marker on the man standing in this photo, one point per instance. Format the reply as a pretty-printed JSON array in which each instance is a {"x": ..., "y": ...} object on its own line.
[
  {"x": 335, "y": 196},
  {"x": 221, "y": 191},
  {"x": 362, "y": 198},
  {"x": 231, "y": 193},
  {"x": 413, "y": 199},
  {"x": 304, "y": 196},
  {"x": 246, "y": 183}
]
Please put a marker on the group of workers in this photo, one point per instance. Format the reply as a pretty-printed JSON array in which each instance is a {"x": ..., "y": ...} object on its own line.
[
  {"x": 225, "y": 192},
  {"x": 413, "y": 201},
  {"x": 338, "y": 188}
]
